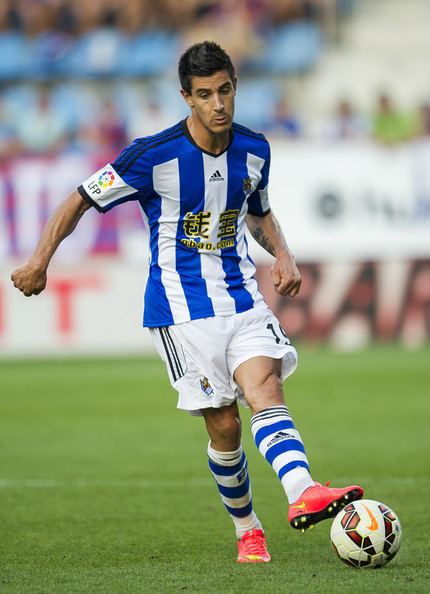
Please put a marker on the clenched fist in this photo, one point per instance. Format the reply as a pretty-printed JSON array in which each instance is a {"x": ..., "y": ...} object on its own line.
[
  {"x": 30, "y": 279},
  {"x": 285, "y": 275}
]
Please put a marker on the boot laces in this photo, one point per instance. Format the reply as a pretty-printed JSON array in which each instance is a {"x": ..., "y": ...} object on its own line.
[{"x": 254, "y": 543}]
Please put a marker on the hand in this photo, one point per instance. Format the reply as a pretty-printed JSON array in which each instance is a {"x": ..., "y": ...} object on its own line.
[
  {"x": 30, "y": 279},
  {"x": 285, "y": 275}
]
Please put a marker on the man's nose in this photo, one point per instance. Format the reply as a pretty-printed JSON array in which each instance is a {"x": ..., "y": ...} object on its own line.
[{"x": 218, "y": 104}]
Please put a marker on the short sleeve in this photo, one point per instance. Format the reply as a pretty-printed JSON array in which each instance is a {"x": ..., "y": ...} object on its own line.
[
  {"x": 258, "y": 201},
  {"x": 127, "y": 178}
]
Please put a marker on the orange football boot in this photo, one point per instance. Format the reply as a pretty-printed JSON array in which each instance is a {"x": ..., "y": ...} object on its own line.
[
  {"x": 318, "y": 503},
  {"x": 252, "y": 547}
]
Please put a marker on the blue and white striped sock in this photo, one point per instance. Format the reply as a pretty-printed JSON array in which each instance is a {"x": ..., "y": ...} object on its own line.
[
  {"x": 280, "y": 443},
  {"x": 230, "y": 471}
]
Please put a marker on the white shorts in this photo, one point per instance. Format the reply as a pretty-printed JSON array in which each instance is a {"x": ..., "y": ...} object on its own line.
[{"x": 202, "y": 355}]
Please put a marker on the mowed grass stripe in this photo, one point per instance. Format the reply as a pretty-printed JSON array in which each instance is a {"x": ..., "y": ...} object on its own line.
[
  {"x": 131, "y": 506},
  {"x": 157, "y": 483}
]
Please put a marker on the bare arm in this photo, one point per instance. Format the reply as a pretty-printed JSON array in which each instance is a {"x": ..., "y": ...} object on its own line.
[
  {"x": 30, "y": 278},
  {"x": 267, "y": 232}
]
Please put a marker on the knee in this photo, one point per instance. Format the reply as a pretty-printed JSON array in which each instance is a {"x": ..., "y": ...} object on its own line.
[
  {"x": 227, "y": 429},
  {"x": 268, "y": 392}
]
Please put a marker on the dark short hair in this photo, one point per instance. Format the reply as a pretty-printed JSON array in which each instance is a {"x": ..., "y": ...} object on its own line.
[{"x": 203, "y": 59}]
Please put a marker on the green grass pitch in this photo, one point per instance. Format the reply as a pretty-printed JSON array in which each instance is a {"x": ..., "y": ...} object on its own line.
[{"x": 104, "y": 485}]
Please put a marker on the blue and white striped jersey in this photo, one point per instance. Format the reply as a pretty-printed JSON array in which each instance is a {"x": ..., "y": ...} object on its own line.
[{"x": 194, "y": 204}]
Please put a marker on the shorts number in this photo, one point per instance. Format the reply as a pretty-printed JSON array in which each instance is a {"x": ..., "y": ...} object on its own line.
[{"x": 281, "y": 330}]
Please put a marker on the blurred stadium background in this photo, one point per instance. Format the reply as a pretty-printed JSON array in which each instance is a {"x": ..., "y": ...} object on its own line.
[{"x": 342, "y": 89}]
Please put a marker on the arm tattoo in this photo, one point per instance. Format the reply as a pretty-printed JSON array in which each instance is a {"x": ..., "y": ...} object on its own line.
[{"x": 263, "y": 240}]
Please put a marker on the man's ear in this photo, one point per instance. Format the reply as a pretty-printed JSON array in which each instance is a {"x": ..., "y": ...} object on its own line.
[{"x": 187, "y": 98}]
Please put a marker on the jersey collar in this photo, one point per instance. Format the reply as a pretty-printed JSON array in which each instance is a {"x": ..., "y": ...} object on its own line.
[{"x": 191, "y": 139}]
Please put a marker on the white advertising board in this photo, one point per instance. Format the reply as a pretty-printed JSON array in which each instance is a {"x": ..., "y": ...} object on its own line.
[
  {"x": 353, "y": 201},
  {"x": 96, "y": 307}
]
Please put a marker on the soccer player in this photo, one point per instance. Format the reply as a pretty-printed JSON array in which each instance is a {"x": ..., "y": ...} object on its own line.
[{"x": 199, "y": 184}]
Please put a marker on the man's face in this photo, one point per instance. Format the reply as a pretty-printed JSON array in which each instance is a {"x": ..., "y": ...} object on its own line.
[{"x": 212, "y": 101}]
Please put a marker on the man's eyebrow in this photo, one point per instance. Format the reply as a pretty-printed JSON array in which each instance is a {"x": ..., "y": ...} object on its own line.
[{"x": 227, "y": 83}]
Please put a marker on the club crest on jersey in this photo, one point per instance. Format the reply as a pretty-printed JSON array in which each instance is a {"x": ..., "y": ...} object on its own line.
[
  {"x": 206, "y": 387},
  {"x": 247, "y": 185}
]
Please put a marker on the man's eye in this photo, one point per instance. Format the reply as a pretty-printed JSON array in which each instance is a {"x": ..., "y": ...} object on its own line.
[{"x": 203, "y": 96}]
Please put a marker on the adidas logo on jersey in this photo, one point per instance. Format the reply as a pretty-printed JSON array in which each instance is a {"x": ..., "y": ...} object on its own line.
[{"x": 216, "y": 176}]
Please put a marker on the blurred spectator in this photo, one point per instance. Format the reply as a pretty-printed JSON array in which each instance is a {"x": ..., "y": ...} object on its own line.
[
  {"x": 391, "y": 126},
  {"x": 36, "y": 17},
  {"x": 41, "y": 129},
  {"x": 229, "y": 23},
  {"x": 137, "y": 15},
  {"x": 148, "y": 120},
  {"x": 89, "y": 15},
  {"x": 111, "y": 126},
  {"x": 285, "y": 121},
  {"x": 346, "y": 123},
  {"x": 424, "y": 115},
  {"x": 106, "y": 134},
  {"x": 10, "y": 16},
  {"x": 290, "y": 10},
  {"x": 8, "y": 144},
  {"x": 66, "y": 17}
]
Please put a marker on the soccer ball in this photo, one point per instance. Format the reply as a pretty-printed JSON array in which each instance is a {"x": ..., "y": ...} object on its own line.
[{"x": 366, "y": 533}]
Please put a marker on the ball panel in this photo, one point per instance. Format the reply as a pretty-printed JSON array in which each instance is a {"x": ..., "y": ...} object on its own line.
[
  {"x": 368, "y": 546},
  {"x": 355, "y": 537},
  {"x": 346, "y": 519},
  {"x": 388, "y": 527}
]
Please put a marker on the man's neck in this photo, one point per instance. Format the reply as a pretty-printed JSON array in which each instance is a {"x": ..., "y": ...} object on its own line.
[{"x": 211, "y": 143}]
